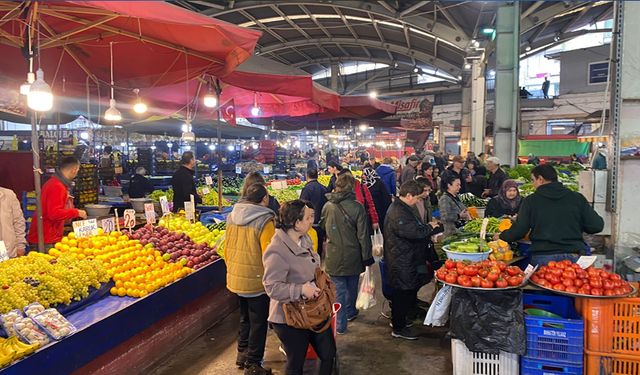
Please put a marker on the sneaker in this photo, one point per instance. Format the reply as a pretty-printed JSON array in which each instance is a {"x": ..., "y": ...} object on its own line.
[
  {"x": 341, "y": 332},
  {"x": 256, "y": 369},
  {"x": 408, "y": 324},
  {"x": 241, "y": 358},
  {"x": 352, "y": 318},
  {"x": 386, "y": 314},
  {"x": 406, "y": 334}
]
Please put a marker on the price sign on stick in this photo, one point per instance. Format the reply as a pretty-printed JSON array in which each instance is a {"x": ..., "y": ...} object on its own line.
[
  {"x": 108, "y": 225},
  {"x": 164, "y": 204},
  {"x": 238, "y": 168},
  {"x": 205, "y": 190},
  {"x": 117, "y": 220},
  {"x": 129, "y": 218},
  {"x": 149, "y": 213},
  {"x": 85, "y": 228},
  {"x": 189, "y": 210},
  {"x": 4, "y": 254},
  {"x": 586, "y": 261},
  {"x": 208, "y": 180}
]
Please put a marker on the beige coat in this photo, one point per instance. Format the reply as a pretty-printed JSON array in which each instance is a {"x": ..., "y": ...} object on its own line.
[
  {"x": 11, "y": 222},
  {"x": 287, "y": 266}
]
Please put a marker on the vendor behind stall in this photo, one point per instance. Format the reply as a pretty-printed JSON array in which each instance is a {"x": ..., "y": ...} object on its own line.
[
  {"x": 556, "y": 217},
  {"x": 11, "y": 223},
  {"x": 182, "y": 182},
  {"x": 140, "y": 185},
  {"x": 57, "y": 204}
]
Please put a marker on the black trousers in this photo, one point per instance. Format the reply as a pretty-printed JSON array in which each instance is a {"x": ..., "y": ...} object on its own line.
[
  {"x": 252, "y": 336},
  {"x": 403, "y": 301},
  {"x": 296, "y": 341}
]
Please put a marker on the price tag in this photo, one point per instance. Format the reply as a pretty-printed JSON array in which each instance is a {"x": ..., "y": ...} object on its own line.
[
  {"x": 117, "y": 220},
  {"x": 108, "y": 225},
  {"x": 586, "y": 261},
  {"x": 189, "y": 210},
  {"x": 238, "y": 169},
  {"x": 193, "y": 201},
  {"x": 149, "y": 213},
  {"x": 208, "y": 180},
  {"x": 483, "y": 229},
  {"x": 85, "y": 228},
  {"x": 129, "y": 218},
  {"x": 266, "y": 169},
  {"x": 4, "y": 254},
  {"x": 528, "y": 272},
  {"x": 164, "y": 204},
  {"x": 205, "y": 190}
]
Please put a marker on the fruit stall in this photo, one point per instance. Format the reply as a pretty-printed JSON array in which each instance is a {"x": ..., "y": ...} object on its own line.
[{"x": 106, "y": 302}]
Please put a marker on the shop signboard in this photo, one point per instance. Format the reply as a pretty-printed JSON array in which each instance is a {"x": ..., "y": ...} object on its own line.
[
  {"x": 415, "y": 113},
  {"x": 598, "y": 72}
]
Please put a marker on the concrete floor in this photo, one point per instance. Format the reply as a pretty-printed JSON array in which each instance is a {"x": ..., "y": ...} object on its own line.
[{"x": 366, "y": 348}]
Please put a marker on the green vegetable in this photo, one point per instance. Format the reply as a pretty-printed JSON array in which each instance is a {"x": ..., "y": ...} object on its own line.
[
  {"x": 470, "y": 200},
  {"x": 475, "y": 225},
  {"x": 156, "y": 194}
]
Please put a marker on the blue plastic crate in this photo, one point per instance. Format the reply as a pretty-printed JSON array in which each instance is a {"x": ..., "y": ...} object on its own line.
[
  {"x": 555, "y": 339},
  {"x": 553, "y": 303},
  {"x": 529, "y": 366}
]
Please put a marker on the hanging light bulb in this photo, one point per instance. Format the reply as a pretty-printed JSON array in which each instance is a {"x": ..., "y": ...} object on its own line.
[
  {"x": 25, "y": 87},
  {"x": 169, "y": 144},
  {"x": 255, "y": 110},
  {"x": 40, "y": 97},
  {"x": 112, "y": 114},
  {"x": 210, "y": 100},
  {"x": 212, "y": 147},
  {"x": 140, "y": 106}
]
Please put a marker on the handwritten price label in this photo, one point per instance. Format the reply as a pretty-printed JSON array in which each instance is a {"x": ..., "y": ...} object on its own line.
[
  {"x": 189, "y": 210},
  {"x": 208, "y": 180},
  {"x": 129, "y": 218},
  {"x": 164, "y": 204},
  {"x": 149, "y": 213},
  {"x": 205, "y": 190},
  {"x": 4, "y": 254},
  {"x": 108, "y": 225},
  {"x": 85, "y": 228}
]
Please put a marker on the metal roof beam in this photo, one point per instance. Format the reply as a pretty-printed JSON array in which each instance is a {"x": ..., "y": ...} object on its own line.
[
  {"x": 412, "y": 8},
  {"x": 295, "y": 26},
  {"x": 576, "y": 19},
  {"x": 315, "y": 20},
  {"x": 386, "y": 6},
  {"x": 451, "y": 20},
  {"x": 346, "y": 23},
  {"x": 407, "y": 38},
  {"x": 530, "y": 9},
  {"x": 366, "y": 81},
  {"x": 547, "y": 14}
]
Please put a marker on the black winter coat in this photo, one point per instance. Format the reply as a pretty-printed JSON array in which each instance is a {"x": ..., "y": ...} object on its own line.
[
  {"x": 140, "y": 186},
  {"x": 405, "y": 247},
  {"x": 183, "y": 186}
]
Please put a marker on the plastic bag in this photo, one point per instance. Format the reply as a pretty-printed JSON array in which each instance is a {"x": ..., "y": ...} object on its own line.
[
  {"x": 377, "y": 243},
  {"x": 489, "y": 321},
  {"x": 438, "y": 313},
  {"x": 367, "y": 293}
]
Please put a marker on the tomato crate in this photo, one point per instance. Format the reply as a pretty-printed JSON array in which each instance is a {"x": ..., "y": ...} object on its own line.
[
  {"x": 529, "y": 366},
  {"x": 611, "y": 325},
  {"x": 611, "y": 364},
  {"x": 554, "y": 339},
  {"x": 466, "y": 362}
]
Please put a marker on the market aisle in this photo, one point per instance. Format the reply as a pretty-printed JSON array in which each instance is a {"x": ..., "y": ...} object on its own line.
[{"x": 367, "y": 348}]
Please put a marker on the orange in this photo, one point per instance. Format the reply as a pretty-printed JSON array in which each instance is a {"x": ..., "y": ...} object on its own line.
[
  {"x": 122, "y": 292},
  {"x": 119, "y": 284},
  {"x": 114, "y": 291}
]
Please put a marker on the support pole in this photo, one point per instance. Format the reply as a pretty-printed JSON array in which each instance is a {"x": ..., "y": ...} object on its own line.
[
  {"x": 35, "y": 148},
  {"x": 218, "y": 147},
  {"x": 478, "y": 91}
]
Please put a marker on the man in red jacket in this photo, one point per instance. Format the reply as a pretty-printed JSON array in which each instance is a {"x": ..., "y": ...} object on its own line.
[{"x": 57, "y": 204}]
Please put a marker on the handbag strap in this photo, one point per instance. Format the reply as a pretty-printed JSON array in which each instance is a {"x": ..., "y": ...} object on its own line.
[{"x": 346, "y": 216}]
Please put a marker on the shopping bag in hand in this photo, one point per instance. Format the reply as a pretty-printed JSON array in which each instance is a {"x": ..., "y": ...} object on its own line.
[
  {"x": 438, "y": 313},
  {"x": 377, "y": 242},
  {"x": 367, "y": 293}
]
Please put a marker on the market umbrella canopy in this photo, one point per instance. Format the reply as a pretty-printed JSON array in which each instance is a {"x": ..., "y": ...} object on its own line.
[{"x": 154, "y": 43}]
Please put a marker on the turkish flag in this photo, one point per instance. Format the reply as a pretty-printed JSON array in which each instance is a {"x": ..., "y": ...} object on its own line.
[{"x": 228, "y": 112}]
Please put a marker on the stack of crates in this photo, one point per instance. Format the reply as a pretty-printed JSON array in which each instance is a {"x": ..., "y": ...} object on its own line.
[
  {"x": 28, "y": 208},
  {"x": 554, "y": 345},
  {"x": 466, "y": 362},
  {"x": 612, "y": 335}
]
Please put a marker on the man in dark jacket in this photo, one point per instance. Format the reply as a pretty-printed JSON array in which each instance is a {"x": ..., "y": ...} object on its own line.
[
  {"x": 334, "y": 169},
  {"x": 315, "y": 193},
  {"x": 182, "y": 182},
  {"x": 388, "y": 176},
  {"x": 556, "y": 216},
  {"x": 496, "y": 178},
  {"x": 406, "y": 238},
  {"x": 344, "y": 221},
  {"x": 140, "y": 185},
  {"x": 456, "y": 169},
  {"x": 409, "y": 171}
]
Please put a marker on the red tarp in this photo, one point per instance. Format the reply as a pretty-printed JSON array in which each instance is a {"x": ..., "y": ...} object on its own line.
[{"x": 150, "y": 41}]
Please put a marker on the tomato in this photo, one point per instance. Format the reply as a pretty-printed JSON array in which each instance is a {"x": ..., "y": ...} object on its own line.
[
  {"x": 607, "y": 284},
  {"x": 502, "y": 266},
  {"x": 441, "y": 273},
  {"x": 592, "y": 272},
  {"x": 483, "y": 273},
  {"x": 471, "y": 270},
  {"x": 554, "y": 280},
  {"x": 552, "y": 264},
  {"x": 493, "y": 276},
  {"x": 515, "y": 280},
  {"x": 556, "y": 272},
  {"x": 449, "y": 264},
  {"x": 615, "y": 276},
  {"x": 582, "y": 274},
  {"x": 476, "y": 281},
  {"x": 460, "y": 267},
  {"x": 568, "y": 274},
  {"x": 576, "y": 267},
  {"x": 587, "y": 286},
  {"x": 567, "y": 282},
  {"x": 542, "y": 269},
  {"x": 596, "y": 292},
  {"x": 604, "y": 275},
  {"x": 467, "y": 283},
  {"x": 618, "y": 291},
  {"x": 513, "y": 270},
  {"x": 571, "y": 289},
  {"x": 486, "y": 283},
  {"x": 535, "y": 278},
  {"x": 502, "y": 283},
  {"x": 463, "y": 279},
  {"x": 545, "y": 283},
  {"x": 609, "y": 292},
  {"x": 584, "y": 291},
  {"x": 578, "y": 283},
  {"x": 566, "y": 262},
  {"x": 485, "y": 264},
  {"x": 559, "y": 287},
  {"x": 451, "y": 278},
  {"x": 595, "y": 282},
  {"x": 627, "y": 288}
]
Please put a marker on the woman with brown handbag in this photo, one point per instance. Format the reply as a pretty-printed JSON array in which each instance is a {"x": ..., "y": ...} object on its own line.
[{"x": 301, "y": 294}]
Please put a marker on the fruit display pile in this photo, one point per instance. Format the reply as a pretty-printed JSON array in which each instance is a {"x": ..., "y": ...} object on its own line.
[
  {"x": 569, "y": 277},
  {"x": 42, "y": 278},
  {"x": 156, "y": 194},
  {"x": 324, "y": 179},
  {"x": 211, "y": 198},
  {"x": 87, "y": 185},
  {"x": 495, "y": 225},
  {"x": 567, "y": 174},
  {"x": 471, "y": 245},
  {"x": 230, "y": 185},
  {"x": 500, "y": 250},
  {"x": 285, "y": 195},
  {"x": 12, "y": 349},
  {"x": 487, "y": 274},
  {"x": 136, "y": 269},
  {"x": 177, "y": 248},
  {"x": 470, "y": 200},
  {"x": 290, "y": 182},
  {"x": 197, "y": 232},
  {"x": 218, "y": 230}
]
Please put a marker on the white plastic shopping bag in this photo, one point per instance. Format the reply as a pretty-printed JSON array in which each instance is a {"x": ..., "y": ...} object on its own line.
[
  {"x": 377, "y": 242},
  {"x": 367, "y": 293},
  {"x": 438, "y": 313}
]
